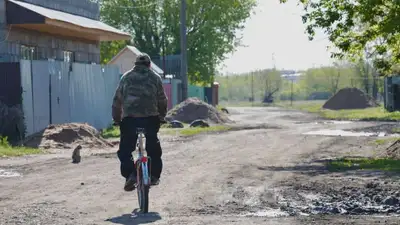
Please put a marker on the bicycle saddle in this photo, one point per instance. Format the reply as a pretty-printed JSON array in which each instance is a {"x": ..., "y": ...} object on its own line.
[{"x": 140, "y": 130}]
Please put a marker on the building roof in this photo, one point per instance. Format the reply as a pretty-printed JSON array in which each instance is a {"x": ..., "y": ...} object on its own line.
[
  {"x": 137, "y": 52},
  {"x": 58, "y": 18}
]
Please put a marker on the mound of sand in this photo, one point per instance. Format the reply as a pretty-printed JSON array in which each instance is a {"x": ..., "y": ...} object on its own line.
[
  {"x": 394, "y": 150},
  {"x": 349, "y": 98},
  {"x": 193, "y": 109},
  {"x": 67, "y": 135}
]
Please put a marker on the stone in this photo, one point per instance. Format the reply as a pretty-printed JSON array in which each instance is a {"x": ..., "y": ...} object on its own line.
[{"x": 391, "y": 200}]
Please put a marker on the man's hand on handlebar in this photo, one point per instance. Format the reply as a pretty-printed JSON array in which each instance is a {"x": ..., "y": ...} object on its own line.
[{"x": 162, "y": 120}]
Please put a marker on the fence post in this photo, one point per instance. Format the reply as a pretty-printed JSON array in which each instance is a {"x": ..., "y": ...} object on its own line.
[{"x": 50, "y": 105}]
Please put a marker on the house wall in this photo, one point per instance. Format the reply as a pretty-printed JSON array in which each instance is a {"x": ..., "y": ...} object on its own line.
[
  {"x": 49, "y": 46},
  {"x": 124, "y": 61}
]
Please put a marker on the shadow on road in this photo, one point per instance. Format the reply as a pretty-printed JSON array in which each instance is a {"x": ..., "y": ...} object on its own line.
[{"x": 130, "y": 219}]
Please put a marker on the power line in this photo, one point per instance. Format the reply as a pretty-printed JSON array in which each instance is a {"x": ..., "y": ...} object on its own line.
[{"x": 135, "y": 7}]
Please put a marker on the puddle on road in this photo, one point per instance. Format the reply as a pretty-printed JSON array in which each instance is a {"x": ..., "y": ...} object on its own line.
[
  {"x": 9, "y": 173},
  {"x": 336, "y": 122},
  {"x": 325, "y": 122},
  {"x": 346, "y": 133},
  {"x": 267, "y": 213}
]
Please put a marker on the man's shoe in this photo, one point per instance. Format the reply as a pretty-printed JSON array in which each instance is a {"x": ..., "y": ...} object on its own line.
[
  {"x": 155, "y": 181},
  {"x": 130, "y": 183}
]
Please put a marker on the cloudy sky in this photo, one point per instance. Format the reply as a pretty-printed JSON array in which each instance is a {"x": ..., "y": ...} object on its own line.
[{"x": 277, "y": 29}]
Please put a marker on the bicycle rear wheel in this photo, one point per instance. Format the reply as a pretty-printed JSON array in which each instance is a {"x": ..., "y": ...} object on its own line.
[{"x": 143, "y": 195}]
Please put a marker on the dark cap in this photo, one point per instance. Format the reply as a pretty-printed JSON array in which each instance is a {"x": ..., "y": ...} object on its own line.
[{"x": 143, "y": 59}]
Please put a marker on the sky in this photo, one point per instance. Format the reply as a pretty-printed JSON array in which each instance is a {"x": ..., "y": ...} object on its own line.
[{"x": 277, "y": 29}]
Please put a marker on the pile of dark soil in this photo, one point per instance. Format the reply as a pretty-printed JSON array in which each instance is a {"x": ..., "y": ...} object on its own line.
[
  {"x": 194, "y": 109},
  {"x": 349, "y": 98},
  {"x": 393, "y": 151},
  {"x": 67, "y": 136}
]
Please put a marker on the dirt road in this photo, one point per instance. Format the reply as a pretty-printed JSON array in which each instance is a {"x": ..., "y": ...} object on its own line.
[{"x": 252, "y": 176}]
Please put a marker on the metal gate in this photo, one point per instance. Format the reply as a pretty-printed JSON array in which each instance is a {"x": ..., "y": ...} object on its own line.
[{"x": 59, "y": 93}]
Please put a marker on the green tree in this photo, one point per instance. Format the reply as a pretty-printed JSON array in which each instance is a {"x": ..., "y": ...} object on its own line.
[
  {"x": 212, "y": 27},
  {"x": 239, "y": 87},
  {"x": 314, "y": 83},
  {"x": 353, "y": 25}
]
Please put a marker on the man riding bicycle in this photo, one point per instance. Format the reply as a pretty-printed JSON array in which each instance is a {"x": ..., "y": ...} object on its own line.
[{"x": 139, "y": 102}]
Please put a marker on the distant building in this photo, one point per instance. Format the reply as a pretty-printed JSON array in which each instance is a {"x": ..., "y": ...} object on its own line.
[
  {"x": 126, "y": 58},
  {"x": 295, "y": 76}
]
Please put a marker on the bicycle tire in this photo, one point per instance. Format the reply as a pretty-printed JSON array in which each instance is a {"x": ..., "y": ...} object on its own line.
[
  {"x": 143, "y": 198},
  {"x": 143, "y": 194}
]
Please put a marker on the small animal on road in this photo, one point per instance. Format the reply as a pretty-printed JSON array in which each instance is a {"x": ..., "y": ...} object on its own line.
[{"x": 76, "y": 154}]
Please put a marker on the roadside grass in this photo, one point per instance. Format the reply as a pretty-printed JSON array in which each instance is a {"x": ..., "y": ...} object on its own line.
[
  {"x": 369, "y": 114},
  {"x": 396, "y": 130},
  {"x": 243, "y": 104},
  {"x": 113, "y": 131},
  {"x": 382, "y": 164},
  {"x": 6, "y": 150},
  {"x": 18, "y": 151},
  {"x": 189, "y": 131},
  {"x": 110, "y": 132},
  {"x": 384, "y": 141}
]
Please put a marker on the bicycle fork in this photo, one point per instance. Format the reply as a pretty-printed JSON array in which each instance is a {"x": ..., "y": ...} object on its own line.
[
  {"x": 143, "y": 164},
  {"x": 145, "y": 170}
]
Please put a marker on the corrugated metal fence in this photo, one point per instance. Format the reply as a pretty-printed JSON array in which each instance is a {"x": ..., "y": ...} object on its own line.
[
  {"x": 196, "y": 91},
  {"x": 172, "y": 64},
  {"x": 58, "y": 92}
]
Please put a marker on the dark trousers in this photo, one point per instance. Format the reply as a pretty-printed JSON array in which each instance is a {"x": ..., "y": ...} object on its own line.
[{"x": 128, "y": 141}]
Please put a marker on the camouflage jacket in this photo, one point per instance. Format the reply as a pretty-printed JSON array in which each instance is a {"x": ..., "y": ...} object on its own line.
[{"x": 140, "y": 93}]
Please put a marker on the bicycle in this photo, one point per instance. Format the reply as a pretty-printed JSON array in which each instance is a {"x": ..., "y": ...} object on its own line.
[
  {"x": 143, "y": 180},
  {"x": 142, "y": 165}
]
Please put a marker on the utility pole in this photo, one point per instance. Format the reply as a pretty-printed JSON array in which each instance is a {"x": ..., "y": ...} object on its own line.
[
  {"x": 252, "y": 88},
  {"x": 273, "y": 60},
  {"x": 229, "y": 88},
  {"x": 184, "y": 52},
  {"x": 164, "y": 53}
]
